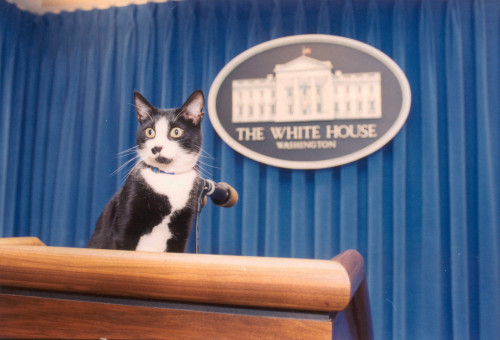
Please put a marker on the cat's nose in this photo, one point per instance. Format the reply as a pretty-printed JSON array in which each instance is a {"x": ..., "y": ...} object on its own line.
[{"x": 156, "y": 149}]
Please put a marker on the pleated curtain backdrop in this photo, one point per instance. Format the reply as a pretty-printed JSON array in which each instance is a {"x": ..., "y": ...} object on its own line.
[{"x": 423, "y": 210}]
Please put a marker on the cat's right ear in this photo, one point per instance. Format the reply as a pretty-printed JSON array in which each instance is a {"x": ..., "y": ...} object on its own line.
[{"x": 144, "y": 109}]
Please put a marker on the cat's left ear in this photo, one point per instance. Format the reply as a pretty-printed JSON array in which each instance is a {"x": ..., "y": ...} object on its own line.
[
  {"x": 192, "y": 108},
  {"x": 144, "y": 109}
]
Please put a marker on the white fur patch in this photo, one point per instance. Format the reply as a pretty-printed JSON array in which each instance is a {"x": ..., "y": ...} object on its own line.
[
  {"x": 157, "y": 239},
  {"x": 176, "y": 187}
]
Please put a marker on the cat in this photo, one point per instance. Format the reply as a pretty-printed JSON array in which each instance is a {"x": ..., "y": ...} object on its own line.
[{"x": 154, "y": 209}]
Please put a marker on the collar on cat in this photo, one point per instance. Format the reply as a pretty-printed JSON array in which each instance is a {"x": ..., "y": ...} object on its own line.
[{"x": 156, "y": 170}]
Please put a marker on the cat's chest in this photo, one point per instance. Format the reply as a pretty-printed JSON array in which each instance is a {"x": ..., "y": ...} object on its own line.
[{"x": 177, "y": 188}]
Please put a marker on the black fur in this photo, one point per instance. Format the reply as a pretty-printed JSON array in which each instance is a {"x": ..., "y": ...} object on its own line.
[{"x": 137, "y": 208}]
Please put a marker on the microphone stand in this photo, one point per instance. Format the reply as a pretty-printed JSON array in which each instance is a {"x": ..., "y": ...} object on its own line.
[{"x": 202, "y": 200}]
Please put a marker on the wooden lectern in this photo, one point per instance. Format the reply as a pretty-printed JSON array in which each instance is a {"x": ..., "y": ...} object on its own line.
[{"x": 54, "y": 292}]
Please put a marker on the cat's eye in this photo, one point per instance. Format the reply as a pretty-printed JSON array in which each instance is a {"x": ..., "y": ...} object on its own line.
[
  {"x": 150, "y": 133},
  {"x": 176, "y": 132}
]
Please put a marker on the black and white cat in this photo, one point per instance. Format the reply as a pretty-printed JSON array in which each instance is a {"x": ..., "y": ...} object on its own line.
[{"x": 154, "y": 210}]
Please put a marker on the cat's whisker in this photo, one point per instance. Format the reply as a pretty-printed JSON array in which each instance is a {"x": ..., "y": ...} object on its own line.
[
  {"x": 209, "y": 165},
  {"x": 135, "y": 155},
  {"x": 124, "y": 165},
  {"x": 203, "y": 173},
  {"x": 129, "y": 149},
  {"x": 127, "y": 152},
  {"x": 126, "y": 155},
  {"x": 206, "y": 170},
  {"x": 206, "y": 157},
  {"x": 202, "y": 153},
  {"x": 130, "y": 171},
  {"x": 124, "y": 178},
  {"x": 206, "y": 153}
]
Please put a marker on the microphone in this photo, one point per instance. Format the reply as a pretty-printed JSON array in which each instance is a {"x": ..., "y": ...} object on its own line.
[{"x": 222, "y": 194}]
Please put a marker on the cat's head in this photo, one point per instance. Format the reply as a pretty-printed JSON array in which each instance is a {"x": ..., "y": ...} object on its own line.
[{"x": 170, "y": 139}]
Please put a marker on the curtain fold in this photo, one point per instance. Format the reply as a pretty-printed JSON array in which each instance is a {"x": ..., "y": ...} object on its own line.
[
  {"x": 423, "y": 210},
  {"x": 458, "y": 136},
  {"x": 431, "y": 266},
  {"x": 486, "y": 269},
  {"x": 396, "y": 274}
]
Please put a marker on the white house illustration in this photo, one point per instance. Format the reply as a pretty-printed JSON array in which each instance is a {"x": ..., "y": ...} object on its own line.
[{"x": 307, "y": 89}]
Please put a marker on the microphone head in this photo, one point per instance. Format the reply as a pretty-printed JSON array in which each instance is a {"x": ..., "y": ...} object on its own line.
[{"x": 233, "y": 196}]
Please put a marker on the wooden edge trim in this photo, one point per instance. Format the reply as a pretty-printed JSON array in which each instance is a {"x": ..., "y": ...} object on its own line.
[
  {"x": 281, "y": 283},
  {"x": 359, "y": 304},
  {"x": 24, "y": 241},
  {"x": 362, "y": 312},
  {"x": 354, "y": 267}
]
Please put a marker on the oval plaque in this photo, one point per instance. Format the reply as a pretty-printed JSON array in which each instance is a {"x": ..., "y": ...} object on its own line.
[{"x": 309, "y": 101}]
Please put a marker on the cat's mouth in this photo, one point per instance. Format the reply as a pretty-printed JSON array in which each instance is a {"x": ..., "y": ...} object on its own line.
[{"x": 163, "y": 160}]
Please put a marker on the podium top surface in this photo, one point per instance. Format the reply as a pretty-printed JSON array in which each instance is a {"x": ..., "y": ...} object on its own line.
[{"x": 262, "y": 282}]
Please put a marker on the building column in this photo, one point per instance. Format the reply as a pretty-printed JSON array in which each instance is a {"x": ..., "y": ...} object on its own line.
[{"x": 296, "y": 97}]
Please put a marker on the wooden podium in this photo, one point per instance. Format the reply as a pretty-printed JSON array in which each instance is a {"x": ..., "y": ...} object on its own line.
[{"x": 55, "y": 292}]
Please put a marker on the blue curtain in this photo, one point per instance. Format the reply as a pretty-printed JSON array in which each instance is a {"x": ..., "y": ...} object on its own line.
[{"x": 423, "y": 210}]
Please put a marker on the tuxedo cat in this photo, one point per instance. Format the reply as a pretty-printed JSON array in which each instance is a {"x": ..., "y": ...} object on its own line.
[{"x": 154, "y": 210}]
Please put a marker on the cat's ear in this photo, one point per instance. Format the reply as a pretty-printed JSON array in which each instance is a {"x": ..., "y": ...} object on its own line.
[
  {"x": 144, "y": 109},
  {"x": 192, "y": 108}
]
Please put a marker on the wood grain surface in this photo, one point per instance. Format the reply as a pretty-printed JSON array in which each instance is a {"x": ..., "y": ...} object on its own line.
[
  {"x": 301, "y": 284},
  {"x": 43, "y": 318},
  {"x": 26, "y": 241}
]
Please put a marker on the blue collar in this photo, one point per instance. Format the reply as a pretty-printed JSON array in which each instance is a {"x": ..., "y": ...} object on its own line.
[{"x": 156, "y": 170}]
